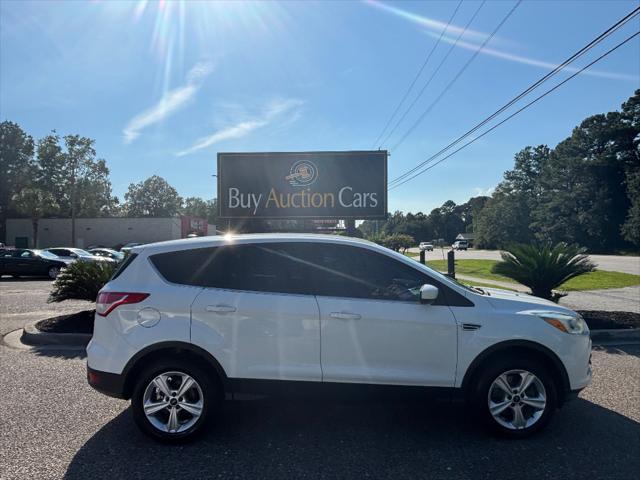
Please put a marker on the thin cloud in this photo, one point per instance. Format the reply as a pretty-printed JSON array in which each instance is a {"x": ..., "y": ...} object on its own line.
[
  {"x": 431, "y": 24},
  {"x": 530, "y": 61},
  {"x": 274, "y": 111},
  {"x": 470, "y": 39},
  {"x": 170, "y": 102}
]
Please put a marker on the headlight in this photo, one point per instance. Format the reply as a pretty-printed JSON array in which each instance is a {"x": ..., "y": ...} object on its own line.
[{"x": 564, "y": 322}]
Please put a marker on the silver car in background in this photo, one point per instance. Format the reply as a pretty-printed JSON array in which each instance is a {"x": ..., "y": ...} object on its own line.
[{"x": 77, "y": 254}]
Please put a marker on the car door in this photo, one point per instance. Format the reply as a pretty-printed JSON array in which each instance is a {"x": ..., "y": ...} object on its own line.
[
  {"x": 26, "y": 263},
  {"x": 374, "y": 328},
  {"x": 255, "y": 315}
]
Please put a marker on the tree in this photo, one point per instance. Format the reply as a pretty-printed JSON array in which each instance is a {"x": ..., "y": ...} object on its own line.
[
  {"x": 505, "y": 218},
  {"x": 197, "y": 207},
  {"x": 543, "y": 268},
  {"x": 35, "y": 203},
  {"x": 631, "y": 227},
  {"x": 77, "y": 180},
  {"x": 153, "y": 197},
  {"x": 16, "y": 167}
]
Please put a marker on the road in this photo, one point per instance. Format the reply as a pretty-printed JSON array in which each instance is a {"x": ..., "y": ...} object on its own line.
[
  {"x": 614, "y": 263},
  {"x": 53, "y": 425}
]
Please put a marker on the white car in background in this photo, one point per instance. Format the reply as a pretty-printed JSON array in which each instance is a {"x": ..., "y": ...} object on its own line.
[
  {"x": 183, "y": 323},
  {"x": 428, "y": 246},
  {"x": 107, "y": 253},
  {"x": 77, "y": 254}
]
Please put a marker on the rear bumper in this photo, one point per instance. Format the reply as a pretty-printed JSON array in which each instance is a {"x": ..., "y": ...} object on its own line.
[{"x": 111, "y": 384}]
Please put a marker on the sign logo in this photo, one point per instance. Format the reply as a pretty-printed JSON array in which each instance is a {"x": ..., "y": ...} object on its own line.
[{"x": 302, "y": 174}]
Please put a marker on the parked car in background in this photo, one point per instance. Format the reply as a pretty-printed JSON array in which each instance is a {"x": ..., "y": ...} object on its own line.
[
  {"x": 31, "y": 263},
  {"x": 428, "y": 246},
  {"x": 107, "y": 253},
  {"x": 79, "y": 254},
  {"x": 184, "y": 322},
  {"x": 127, "y": 247},
  {"x": 460, "y": 245}
]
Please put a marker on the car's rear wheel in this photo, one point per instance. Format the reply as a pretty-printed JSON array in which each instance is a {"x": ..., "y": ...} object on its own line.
[
  {"x": 172, "y": 402},
  {"x": 53, "y": 272},
  {"x": 515, "y": 398}
]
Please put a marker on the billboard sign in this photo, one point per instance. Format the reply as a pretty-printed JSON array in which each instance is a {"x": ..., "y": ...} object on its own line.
[{"x": 333, "y": 185}]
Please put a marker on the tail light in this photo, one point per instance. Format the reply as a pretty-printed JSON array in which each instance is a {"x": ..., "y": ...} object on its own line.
[{"x": 107, "y": 301}]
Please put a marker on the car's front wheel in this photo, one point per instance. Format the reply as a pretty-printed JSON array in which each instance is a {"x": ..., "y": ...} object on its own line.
[
  {"x": 172, "y": 402},
  {"x": 515, "y": 398}
]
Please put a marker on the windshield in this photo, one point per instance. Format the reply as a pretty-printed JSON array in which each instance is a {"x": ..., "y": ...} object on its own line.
[
  {"x": 80, "y": 252},
  {"x": 47, "y": 255}
]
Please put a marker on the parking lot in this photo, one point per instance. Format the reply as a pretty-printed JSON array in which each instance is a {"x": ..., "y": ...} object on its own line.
[{"x": 53, "y": 425}]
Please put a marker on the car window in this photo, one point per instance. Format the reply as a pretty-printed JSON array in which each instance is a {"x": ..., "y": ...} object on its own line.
[
  {"x": 48, "y": 255},
  {"x": 26, "y": 254},
  {"x": 347, "y": 271},
  {"x": 261, "y": 268},
  {"x": 300, "y": 268}
]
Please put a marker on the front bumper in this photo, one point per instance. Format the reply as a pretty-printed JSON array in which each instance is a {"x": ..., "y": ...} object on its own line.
[{"x": 111, "y": 384}]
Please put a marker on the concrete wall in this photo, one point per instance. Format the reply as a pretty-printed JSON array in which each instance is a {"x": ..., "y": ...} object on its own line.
[{"x": 56, "y": 232}]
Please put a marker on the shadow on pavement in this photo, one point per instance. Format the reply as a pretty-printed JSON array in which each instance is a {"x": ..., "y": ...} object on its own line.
[
  {"x": 65, "y": 353},
  {"x": 309, "y": 439},
  {"x": 631, "y": 349}
]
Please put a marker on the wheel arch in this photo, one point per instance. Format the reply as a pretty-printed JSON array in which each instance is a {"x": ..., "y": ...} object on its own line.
[
  {"x": 171, "y": 349},
  {"x": 520, "y": 347}
]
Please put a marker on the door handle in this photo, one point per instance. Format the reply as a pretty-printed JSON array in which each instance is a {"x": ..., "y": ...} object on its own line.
[
  {"x": 220, "y": 308},
  {"x": 345, "y": 315}
]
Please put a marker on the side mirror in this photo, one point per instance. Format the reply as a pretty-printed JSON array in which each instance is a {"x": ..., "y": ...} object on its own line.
[
  {"x": 73, "y": 255},
  {"x": 428, "y": 293}
]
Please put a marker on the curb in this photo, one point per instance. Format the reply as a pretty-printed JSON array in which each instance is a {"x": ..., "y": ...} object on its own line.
[
  {"x": 613, "y": 335},
  {"x": 32, "y": 336}
]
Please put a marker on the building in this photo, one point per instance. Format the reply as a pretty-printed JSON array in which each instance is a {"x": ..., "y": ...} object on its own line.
[{"x": 105, "y": 231}]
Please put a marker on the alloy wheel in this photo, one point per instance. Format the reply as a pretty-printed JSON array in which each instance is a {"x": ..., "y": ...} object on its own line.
[
  {"x": 517, "y": 399},
  {"x": 173, "y": 402}
]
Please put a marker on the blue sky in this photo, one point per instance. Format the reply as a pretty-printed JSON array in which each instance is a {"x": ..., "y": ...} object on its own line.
[{"x": 163, "y": 86}]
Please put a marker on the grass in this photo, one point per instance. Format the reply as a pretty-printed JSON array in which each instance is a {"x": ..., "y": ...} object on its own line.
[
  {"x": 600, "y": 279},
  {"x": 472, "y": 268}
]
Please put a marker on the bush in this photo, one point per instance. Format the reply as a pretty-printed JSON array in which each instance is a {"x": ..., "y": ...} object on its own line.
[
  {"x": 543, "y": 268},
  {"x": 81, "y": 281},
  {"x": 396, "y": 241}
]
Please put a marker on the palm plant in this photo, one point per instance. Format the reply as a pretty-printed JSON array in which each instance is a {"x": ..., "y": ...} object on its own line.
[
  {"x": 543, "y": 268},
  {"x": 81, "y": 281}
]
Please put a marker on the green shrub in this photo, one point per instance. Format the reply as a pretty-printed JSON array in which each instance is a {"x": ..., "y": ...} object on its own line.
[
  {"x": 81, "y": 281},
  {"x": 543, "y": 268}
]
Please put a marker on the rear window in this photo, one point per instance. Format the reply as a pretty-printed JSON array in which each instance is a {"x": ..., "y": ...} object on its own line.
[
  {"x": 123, "y": 266},
  {"x": 261, "y": 268}
]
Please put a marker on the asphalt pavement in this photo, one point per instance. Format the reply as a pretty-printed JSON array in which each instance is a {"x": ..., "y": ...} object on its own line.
[{"x": 53, "y": 425}]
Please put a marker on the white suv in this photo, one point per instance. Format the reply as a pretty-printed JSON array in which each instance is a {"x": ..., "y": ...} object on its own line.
[{"x": 184, "y": 323}]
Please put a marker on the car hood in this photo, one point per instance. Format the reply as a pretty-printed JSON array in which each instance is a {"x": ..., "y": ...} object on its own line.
[{"x": 518, "y": 301}]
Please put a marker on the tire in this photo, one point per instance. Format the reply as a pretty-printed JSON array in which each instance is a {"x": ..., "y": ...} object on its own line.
[
  {"x": 537, "y": 406},
  {"x": 203, "y": 396},
  {"x": 53, "y": 272}
]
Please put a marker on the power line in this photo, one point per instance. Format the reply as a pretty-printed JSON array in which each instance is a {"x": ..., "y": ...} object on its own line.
[
  {"x": 520, "y": 110},
  {"x": 424, "y": 64},
  {"x": 457, "y": 76},
  {"x": 424, "y": 87},
  {"x": 525, "y": 92}
]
